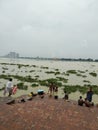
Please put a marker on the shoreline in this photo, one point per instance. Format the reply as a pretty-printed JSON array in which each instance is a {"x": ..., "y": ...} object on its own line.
[{"x": 73, "y": 96}]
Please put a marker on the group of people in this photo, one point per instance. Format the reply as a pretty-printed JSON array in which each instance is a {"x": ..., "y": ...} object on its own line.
[
  {"x": 88, "y": 100},
  {"x": 53, "y": 91}
]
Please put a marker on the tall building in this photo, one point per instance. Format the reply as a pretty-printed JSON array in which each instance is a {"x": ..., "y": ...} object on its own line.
[{"x": 12, "y": 55}]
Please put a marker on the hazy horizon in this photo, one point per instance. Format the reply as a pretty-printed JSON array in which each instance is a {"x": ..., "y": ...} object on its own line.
[{"x": 49, "y": 28}]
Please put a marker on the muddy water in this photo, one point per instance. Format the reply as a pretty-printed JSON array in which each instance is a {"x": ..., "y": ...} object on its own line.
[{"x": 62, "y": 66}]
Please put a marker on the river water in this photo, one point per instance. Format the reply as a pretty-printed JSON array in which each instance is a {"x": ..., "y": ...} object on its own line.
[{"x": 82, "y": 68}]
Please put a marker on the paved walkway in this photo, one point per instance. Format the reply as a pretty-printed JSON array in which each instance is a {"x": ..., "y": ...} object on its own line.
[{"x": 47, "y": 114}]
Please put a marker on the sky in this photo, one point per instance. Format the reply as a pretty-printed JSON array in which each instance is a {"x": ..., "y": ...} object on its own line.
[{"x": 49, "y": 28}]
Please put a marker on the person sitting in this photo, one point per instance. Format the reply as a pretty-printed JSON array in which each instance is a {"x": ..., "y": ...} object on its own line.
[
  {"x": 33, "y": 94},
  {"x": 66, "y": 97},
  {"x": 80, "y": 101},
  {"x": 41, "y": 93},
  {"x": 87, "y": 103},
  {"x": 56, "y": 92}
]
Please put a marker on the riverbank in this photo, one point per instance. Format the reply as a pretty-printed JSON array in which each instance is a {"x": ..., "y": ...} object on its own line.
[
  {"x": 47, "y": 114},
  {"x": 73, "y": 96}
]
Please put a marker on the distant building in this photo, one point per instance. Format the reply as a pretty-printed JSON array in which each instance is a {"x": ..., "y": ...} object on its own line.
[{"x": 12, "y": 55}]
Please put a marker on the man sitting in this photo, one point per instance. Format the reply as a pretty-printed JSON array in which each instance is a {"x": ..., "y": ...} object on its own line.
[
  {"x": 87, "y": 103},
  {"x": 80, "y": 101},
  {"x": 41, "y": 93}
]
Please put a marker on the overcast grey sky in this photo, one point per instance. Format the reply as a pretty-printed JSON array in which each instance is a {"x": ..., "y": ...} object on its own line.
[{"x": 49, "y": 28}]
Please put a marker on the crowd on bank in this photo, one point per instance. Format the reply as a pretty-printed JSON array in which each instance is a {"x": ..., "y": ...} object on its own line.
[{"x": 52, "y": 92}]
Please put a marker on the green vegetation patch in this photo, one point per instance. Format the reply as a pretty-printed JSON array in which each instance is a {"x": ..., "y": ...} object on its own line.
[
  {"x": 32, "y": 71},
  {"x": 4, "y": 68},
  {"x": 47, "y": 82},
  {"x": 42, "y": 67},
  {"x": 34, "y": 66},
  {"x": 73, "y": 88},
  {"x": 21, "y": 78},
  {"x": 56, "y": 69},
  {"x": 82, "y": 89},
  {"x": 22, "y": 65},
  {"x": 80, "y": 71},
  {"x": 72, "y": 72},
  {"x": 62, "y": 79},
  {"x": 3, "y": 71},
  {"x": 2, "y": 76},
  {"x": 50, "y": 72},
  {"x": 84, "y": 76},
  {"x": 35, "y": 85},
  {"x": 2, "y": 88},
  {"x": 37, "y": 76},
  {"x": 22, "y": 86},
  {"x": 86, "y": 81},
  {"x": 79, "y": 75},
  {"x": 57, "y": 73},
  {"x": 93, "y": 74}
]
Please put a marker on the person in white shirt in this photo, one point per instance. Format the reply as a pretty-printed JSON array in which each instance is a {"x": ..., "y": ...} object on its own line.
[{"x": 9, "y": 87}]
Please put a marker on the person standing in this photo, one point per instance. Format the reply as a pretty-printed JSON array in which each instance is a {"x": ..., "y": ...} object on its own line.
[
  {"x": 8, "y": 87},
  {"x": 50, "y": 91},
  {"x": 89, "y": 94}
]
